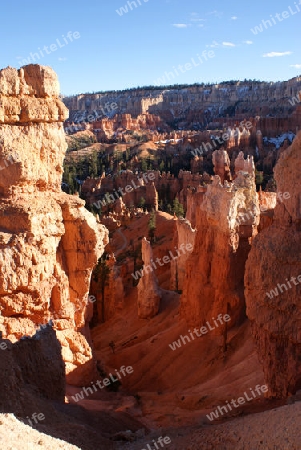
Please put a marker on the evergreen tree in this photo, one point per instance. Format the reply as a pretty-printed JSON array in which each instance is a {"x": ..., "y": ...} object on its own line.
[
  {"x": 93, "y": 165},
  {"x": 143, "y": 165},
  {"x": 141, "y": 202},
  {"x": 152, "y": 226},
  {"x": 178, "y": 208}
]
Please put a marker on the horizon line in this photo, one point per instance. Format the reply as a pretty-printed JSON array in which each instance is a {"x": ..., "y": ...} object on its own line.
[{"x": 180, "y": 86}]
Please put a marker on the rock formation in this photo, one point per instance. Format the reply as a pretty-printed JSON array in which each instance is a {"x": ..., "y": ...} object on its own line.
[
  {"x": 149, "y": 294},
  {"x": 273, "y": 284},
  {"x": 184, "y": 243},
  {"x": 107, "y": 127},
  {"x": 113, "y": 293},
  {"x": 194, "y": 199},
  {"x": 267, "y": 202},
  {"x": 245, "y": 165},
  {"x": 165, "y": 184},
  {"x": 49, "y": 243},
  {"x": 31, "y": 367},
  {"x": 221, "y": 164},
  {"x": 225, "y": 223},
  {"x": 169, "y": 104}
]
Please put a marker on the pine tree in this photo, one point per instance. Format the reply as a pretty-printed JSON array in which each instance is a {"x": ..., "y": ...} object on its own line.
[
  {"x": 143, "y": 165},
  {"x": 152, "y": 226},
  {"x": 178, "y": 208},
  {"x": 93, "y": 165},
  {"x": 142, "y": 202}
]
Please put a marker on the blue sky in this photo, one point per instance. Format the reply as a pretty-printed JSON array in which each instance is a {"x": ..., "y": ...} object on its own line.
[{"x": 116, "y": 51}]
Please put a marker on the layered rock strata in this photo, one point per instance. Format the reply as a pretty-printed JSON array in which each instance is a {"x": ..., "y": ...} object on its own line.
[
  {"x": 49, "y": 243},
  {"x": 272, "y": 280},
  {"x": 255, "y": 98}
]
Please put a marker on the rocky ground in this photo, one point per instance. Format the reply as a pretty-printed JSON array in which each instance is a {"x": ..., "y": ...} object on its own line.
[
  {"x": 277, "y": 429},
  {"x": 15, "y": 435}
]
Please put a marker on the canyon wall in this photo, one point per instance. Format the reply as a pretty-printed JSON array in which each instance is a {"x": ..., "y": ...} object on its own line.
[
  {"x": 49, "y": 243},
  {"x": 108, "y": 127},
  {"x": 192, "y": 104},
  {"x": 272, "y": 281}
]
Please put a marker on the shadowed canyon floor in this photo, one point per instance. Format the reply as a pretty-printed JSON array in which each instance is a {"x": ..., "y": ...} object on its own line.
[{"x": 179, "y": 388}]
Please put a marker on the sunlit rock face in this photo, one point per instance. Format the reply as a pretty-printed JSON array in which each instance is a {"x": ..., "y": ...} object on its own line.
[
  {"x": 149, "y": 294},
  {"x": 226, "y": 221},
  {"x": 49, "y": 243},
  {"x": 221, "y": 164},
  {"x": 184, "y": 242},
  {"x": 199, "y": 102},
  {"x": 272, "y": 285}
]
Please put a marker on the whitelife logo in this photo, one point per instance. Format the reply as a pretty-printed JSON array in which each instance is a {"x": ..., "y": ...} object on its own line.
[
  {"x": 203, "y": 330},
  {"x": 241, "y": 401},
  {"x": 167, "y": 76},
  {"x": 109, "y": 198},
  {"x": 106, "y": 382},
  {"x": 124, "y": 9},
  {"x": 162, "y": 441},
  {"x": 166, "y": 259},
  {"x": 272, "y": 22},
  {"x": 295, "y": 100},
  {"x": 274, "y": 292},
  {"x": 224, "y": 138},
  {"x": 49, "y": 49}
]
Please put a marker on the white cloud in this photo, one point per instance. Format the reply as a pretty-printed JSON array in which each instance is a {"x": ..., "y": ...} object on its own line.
[
  {"x": 62, "y": 59},
  {"x": 180, "y": 25},
  {"x": 234, "y": 18},
  {"x": 195, "y": 17},
  {"x": 213, "y": 45},
  {"x": 248, "y": 42},
  {"x": 296, "y": 66},
  {"x": 215, "y": 13},
  {"x": 228, "y": 44},
  {"x": 275, "y": 54}
]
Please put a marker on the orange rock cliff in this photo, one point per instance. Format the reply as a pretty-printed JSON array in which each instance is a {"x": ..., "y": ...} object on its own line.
[
  {"x": 272, "y": 281},
  {"x": 49, "y": 242}
]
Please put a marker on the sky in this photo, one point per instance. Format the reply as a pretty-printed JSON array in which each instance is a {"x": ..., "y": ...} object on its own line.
[{"x": 153, "y": 43}]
